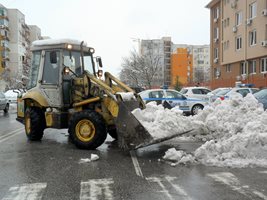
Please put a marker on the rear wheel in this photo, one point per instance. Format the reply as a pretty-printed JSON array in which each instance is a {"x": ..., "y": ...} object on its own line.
[
  {"x": 34, "y": 123},
  {"x": 6, "y": 108},
  {"x": 196, "y": 108},
  {"x": 87, "y": 129}
]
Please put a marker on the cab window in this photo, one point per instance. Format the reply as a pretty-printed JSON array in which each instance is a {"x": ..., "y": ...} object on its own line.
[
  {"x": 51, "y": 68},
  {"x": 36, "y": 59}
]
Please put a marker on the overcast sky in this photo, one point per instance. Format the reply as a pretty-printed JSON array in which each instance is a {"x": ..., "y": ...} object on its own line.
[{"x": 110, "y": 25}]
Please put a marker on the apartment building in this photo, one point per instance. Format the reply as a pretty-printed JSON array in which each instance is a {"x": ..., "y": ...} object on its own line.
[
  {"x": 16, "y": 37},
  {"x": 238, "y": 42},
  {"x": 181, "y": 65},
  {"x": 4, "y": 38},
  {"x": 191, "y": 63},
  {"x": 160, "y": 51}
]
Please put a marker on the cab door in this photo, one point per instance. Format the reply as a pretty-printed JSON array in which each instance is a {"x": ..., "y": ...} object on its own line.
[{"x": 50, "y": 83}]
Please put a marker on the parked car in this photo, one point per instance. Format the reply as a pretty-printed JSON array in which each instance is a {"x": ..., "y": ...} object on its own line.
[
  {"x": 11, "y": 95},
  {"x": 196, "y": 92},
  {"x": 173, "y": 98},
  {"x": 242, "y": 91},
  {"x": 261, "y": 96},
  {"x": 4, "y": 104},
  {"x": 218, "y": 93}
]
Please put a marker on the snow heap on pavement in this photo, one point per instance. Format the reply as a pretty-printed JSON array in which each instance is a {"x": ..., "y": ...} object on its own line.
[{"x": 235, "y": 130}]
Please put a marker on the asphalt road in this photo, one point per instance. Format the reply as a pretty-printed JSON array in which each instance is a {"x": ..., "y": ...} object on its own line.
[{"x": 52, "y": 170}]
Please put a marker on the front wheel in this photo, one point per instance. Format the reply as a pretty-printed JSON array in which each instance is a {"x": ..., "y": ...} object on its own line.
[
  {"x": 196, "y": 108},
  {"x": 87, "y": 129},
  {"x": 34, "y": 123}
]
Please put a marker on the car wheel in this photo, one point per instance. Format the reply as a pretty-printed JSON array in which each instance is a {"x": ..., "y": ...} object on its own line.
[
  {"x": 87, "y": 129},
  {"x": 34, "y": 123},
  {"x": 196, "y": 108},
  {"x": 6, "y": 108}
]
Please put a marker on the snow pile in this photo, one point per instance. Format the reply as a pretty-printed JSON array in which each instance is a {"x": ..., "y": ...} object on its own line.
[
  {"x": 235, "y": 130},
  {"x": 127, "y": 96},
  {"x": 162, "y": 122}
]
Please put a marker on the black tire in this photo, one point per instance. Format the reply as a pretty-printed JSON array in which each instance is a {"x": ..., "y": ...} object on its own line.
[
  {"x": 34, "y": 128},
  {"x": 196, "y": 108},
  {"x": 87, "y": 129},
  {"x": 6, "y": 108}
]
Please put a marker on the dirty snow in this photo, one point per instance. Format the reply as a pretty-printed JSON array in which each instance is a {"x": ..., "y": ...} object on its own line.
[
  {"x": 127, "y": 96},
  {"x": 234, "y": 131},
  {"x": 93, "y": 157}
]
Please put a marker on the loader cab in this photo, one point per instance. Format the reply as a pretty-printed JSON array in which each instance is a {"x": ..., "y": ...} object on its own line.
[{"x": 54, "y": 65}]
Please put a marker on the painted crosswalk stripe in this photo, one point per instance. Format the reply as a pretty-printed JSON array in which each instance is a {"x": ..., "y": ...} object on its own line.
[
  {"x": 11, "y": 134},
  {"x": 162, "y": 183},
  {"x": 97, "y": 189},
  {"x": 232, "y": 181},
  {"x": 32, "y": 191},
  {"x": 137, "y": 168},
  {"x": 263, "y": 172}
]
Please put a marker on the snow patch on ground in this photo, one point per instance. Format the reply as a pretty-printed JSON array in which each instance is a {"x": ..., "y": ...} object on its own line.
[
  {"x": 93, "y": 157},
  {"x": 234, "y": 131}
]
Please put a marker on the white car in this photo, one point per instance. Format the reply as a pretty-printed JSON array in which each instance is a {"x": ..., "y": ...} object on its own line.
[
  {"x": 242, "y": 91},
  {"x": 196, "y": 92},
  {"x": 217, "y": 93},
  {"x": 171, "y": 98},
  {"x": 12, "y": 95}
]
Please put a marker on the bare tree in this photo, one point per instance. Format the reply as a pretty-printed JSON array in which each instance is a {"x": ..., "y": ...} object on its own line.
[{"x": 142, "y": 70}]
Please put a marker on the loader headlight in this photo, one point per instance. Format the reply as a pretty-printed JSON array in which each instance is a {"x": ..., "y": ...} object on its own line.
[
  {"x": 66, "y": 70},
  {"x": 92, "y": 50},
  {"x": 69, "y": 46}
]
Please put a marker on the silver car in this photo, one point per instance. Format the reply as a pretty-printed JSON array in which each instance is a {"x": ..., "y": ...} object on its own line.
[
  {"x": 171, "y": 98},
  {"x": 4, "y": 104}
]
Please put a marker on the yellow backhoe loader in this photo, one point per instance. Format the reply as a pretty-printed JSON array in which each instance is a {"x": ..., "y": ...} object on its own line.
[{"x": 66, "y": 90}]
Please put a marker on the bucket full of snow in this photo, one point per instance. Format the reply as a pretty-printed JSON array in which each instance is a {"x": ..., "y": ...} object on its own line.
[{"x": 132, "y": 131}]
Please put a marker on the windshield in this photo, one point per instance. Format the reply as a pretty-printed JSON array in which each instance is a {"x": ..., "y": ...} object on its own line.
[
  {"x": 262, "y": 94},
  {"x": 36, "y": 58},
  {"x": 73, "y": 60},
  {"x": 223, "y": 92}
]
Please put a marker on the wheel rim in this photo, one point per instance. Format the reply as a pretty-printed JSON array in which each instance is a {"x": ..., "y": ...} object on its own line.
[
  {"x": 28, "y": 124},
  {"x": 85, "y": 130},
  {"x": 196, "y": 109}
]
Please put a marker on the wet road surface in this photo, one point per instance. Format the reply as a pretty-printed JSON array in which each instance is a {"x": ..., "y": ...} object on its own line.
[{"x": 52, "y": 169}]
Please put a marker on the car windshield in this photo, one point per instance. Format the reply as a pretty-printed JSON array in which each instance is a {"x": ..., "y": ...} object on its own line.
[
  {"x": 223, "y": 92},
  {"x": 183, "y": 91},
  {"x": 261, "y": 94}
]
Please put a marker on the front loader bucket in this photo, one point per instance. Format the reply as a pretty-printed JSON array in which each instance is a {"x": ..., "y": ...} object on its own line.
[{"x": 131, "y": 133}]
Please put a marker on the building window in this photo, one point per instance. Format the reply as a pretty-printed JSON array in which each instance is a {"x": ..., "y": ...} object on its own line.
[
  {"x": 238, "y": 18},
  {"x": 243, "y": 68},
  {"x": 216, "y": 33},
  {"x": 238, "y": 42},
  {"x": 252, "y": 66},
  {"x": 216, "y": 13},
  {"x": 228, "y": 68},
  {"x": 252, "y": 10},
  {"x": 216, "y": 53},
  {"x": 263, "y": 65},
  {"x": 253, "y": 38}
]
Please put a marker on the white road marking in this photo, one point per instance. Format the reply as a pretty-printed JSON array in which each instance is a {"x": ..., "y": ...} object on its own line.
[
  {"x": 160, "y": 181},
  {"x": 97, "y": 189},
  {"x": 9, "y": 135},
  {"x": 231, "y": 180},
  {"x": 26, "y": 192},
  {"x": 137, "y": 168},
  {"x": 263, "y": 172}
]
